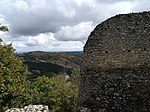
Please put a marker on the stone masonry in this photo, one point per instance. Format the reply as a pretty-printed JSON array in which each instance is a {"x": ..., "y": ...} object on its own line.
[{"x": 115, "y": 76}]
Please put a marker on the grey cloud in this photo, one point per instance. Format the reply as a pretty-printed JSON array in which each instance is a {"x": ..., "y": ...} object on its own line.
[
  {"x": 78, "y": 32},
  {"x": 112, "y": 1},
  {"x": 55, "y": 44},
  {"x": 31, "y": 17},
  {"x": 32, "y": 44}
]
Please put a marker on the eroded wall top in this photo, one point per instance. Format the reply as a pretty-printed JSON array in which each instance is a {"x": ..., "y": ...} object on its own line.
[{"x": 122, "y": 41}]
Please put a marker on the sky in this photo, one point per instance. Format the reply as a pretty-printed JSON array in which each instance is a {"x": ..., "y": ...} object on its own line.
[{"x": 58, "y": 25}]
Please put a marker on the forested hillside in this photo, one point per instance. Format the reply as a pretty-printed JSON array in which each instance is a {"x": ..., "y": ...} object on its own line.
[{"x": 51, "y": 63}]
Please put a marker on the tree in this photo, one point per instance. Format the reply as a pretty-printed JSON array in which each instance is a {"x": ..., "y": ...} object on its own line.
[
  {"x": 56, "y": 92},
  {"x": 39, "y": 90},
  {"x": 64, "y": 95},
  {"x": 12, "y": 77}
]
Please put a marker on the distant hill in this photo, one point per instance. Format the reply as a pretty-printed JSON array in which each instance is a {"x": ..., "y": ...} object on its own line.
[{"x": 50, "y": 63}]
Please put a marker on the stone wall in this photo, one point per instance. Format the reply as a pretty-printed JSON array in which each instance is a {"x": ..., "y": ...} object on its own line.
[
  {"x": 115, "y": 76},
  {"x": 119, "y": 42}
]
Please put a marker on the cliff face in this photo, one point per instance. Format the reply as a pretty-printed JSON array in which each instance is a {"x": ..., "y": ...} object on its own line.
[{"x": 115, "y": 75}]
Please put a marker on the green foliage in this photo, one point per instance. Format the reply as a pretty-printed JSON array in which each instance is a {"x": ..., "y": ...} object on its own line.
[
  {"x": 63, "y": 96},
  {"x": 39, "y": 90},
  {"x": 12, "y": 78},
  {"x": 56, "y": 92},
  {"x": 44, "y": 67}
]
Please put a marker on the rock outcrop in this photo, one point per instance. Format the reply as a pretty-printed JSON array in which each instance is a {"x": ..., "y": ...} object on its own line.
[
  {"x": 115, "y": 76},
  {"x": 30, "y": 108}
]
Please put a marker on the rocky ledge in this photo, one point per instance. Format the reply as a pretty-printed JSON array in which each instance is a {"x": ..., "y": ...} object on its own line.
[{"x": 30, "y": 108}]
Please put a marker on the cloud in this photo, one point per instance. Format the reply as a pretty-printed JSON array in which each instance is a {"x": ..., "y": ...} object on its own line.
[
  {"x": 141, "y": 5},
  {"x": 112, "y": 1},
  {"x": 32, "y": 17},
  {"x": 1, "y": 19},
  {"x": 41, "y": 42},
  {"x": 58, "y": 24},
  {"x": 78, "y": 32}
]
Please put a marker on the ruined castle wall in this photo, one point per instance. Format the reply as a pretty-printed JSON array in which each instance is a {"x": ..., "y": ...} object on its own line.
[
  {"x": 121, "y": 41},
  {"x": 115, "y": 76},
  {"x": 116, "y": 90}
]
